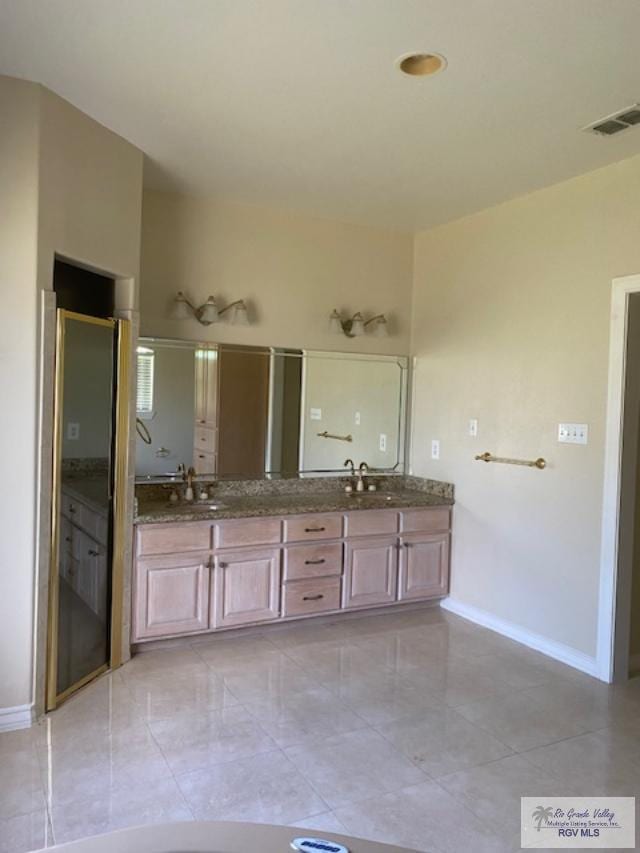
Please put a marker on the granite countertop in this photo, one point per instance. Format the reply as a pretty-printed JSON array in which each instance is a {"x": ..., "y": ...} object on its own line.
[
  {"x": 92, "y": 490},
  {"x": 252, "y": 506}
]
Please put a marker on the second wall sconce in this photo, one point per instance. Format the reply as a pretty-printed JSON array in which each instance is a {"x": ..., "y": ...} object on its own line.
[
  {"x": 209, "y": 312},
  {"x": 355, "y": 326}
]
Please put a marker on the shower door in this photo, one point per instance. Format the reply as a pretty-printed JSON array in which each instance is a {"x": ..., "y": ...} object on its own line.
[{"x": 87, "y": 524}]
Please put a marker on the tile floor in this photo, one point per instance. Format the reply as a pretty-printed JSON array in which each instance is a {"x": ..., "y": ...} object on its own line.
[{"x": 410, "y": 727}]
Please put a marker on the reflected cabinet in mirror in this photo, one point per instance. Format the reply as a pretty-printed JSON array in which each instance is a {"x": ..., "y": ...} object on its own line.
[{"x": 243, "y": 412}]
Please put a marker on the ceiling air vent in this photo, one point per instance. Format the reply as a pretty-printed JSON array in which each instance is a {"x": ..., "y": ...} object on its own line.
[{"x": 623, "y": 120}]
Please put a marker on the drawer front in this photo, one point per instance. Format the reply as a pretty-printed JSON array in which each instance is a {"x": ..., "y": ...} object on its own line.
[
  {"x": 310, "y": 561},
  {"x": 310, "y": 596},
  {"x": 371, "y": 522},
  {"x": 425, "y": 520},
  {"x": 247, "y": 531},
  {"x": 310, "y": 527},
  {"x": 204, "y": 439},
  {"x": 204, "y": 463},
  {"x": 173, "y": 538}
]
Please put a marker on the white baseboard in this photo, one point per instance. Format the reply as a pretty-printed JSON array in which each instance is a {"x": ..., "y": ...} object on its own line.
[
  {"x": 558, "y": 651},
  {"x": 18, "y": 717}
]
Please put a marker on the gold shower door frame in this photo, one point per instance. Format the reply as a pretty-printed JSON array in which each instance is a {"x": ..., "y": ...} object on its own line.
[{"x": 122, "y": 343}]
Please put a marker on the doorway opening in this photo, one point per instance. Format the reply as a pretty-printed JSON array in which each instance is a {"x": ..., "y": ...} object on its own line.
[{"x": 89, "y": 482}]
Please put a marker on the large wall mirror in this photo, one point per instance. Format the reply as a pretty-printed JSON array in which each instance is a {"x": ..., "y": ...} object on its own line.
[{"x": 245, "y": 412}]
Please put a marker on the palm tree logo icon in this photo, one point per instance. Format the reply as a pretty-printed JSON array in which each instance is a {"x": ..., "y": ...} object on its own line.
[{"x": 541, "y": 814}]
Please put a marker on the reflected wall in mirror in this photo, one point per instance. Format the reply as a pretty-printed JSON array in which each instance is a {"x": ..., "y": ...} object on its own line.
[{"x": 243, "y": 412}]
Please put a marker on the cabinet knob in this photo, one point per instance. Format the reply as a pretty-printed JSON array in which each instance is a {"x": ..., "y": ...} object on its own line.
[
  {"x": 407, "y": 544},
  {"x": 93, "y": 553},
  {"x": 223, "y": 565}
]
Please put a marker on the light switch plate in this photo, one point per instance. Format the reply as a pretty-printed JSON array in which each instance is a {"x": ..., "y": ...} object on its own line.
[
  {"x": 315, "y": 414},
  {"x": 383, "y": 442},
  {"x": 473, "y": 427},
  {"x": 73, "y": 431},
  {"x": 573, "y": 433},
  {"x": 357, "y": 419},
  {"x": 435, "y": 449}
]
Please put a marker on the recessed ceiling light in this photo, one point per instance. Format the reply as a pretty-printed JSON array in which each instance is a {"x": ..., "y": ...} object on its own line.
[{"x": 421, "y": 64}]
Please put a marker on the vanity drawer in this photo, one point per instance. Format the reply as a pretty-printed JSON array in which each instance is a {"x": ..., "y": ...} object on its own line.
[
  {"x": 247, "y": 531},
  {"x": 309, "y": 527},
  {"x": 310, "y": 561},
  {"x": 204, "y": 463},
  {"x": 371, "y": 522},
  {"x": 204, "y": 439},
  {"x": 310, "y": 596},
  {"x": 427, "y": 520},
  {"x": 173, "y": 538}
]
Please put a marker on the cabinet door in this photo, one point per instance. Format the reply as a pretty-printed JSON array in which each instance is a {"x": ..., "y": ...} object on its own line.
[
  {"x": 370, "y": 574},
  {"x": 206, "y": 387},
  {"x": 171, "y": 596},
  {"x": 246, "y": 587},
  {"x": 424, "y": 566}
]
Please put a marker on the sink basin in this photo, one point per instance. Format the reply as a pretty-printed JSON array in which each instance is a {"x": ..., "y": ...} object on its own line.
[
  {"x": 373, "y": 497},
  {"x": 205, "y": 506}
]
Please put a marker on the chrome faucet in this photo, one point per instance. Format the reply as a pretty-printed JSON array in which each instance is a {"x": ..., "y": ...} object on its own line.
[
  {"x": 353, "y": 467},
  {"x": 363, "y": 469}
]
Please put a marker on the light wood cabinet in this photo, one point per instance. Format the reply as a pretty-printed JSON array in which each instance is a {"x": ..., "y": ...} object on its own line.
[
  {"x": 206, "y": 388},
  {"x": 83, "y": 552},
  {"x": 424, "y": 566},
  {"x": 171, "y": 596},
  {"x": 370, "y": 572},
  {"x": 215, "y": 575},
  {"x": 246, "y": 588}
]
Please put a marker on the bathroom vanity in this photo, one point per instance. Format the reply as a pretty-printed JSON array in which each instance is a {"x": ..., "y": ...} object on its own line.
[
  {"x": 269, "y": 558},
  {"x": 274, "y": 538}
]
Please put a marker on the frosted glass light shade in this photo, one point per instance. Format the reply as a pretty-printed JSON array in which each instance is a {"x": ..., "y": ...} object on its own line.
[
  {"x": 335, "y": 324},
  {"x": 209, "y": 311},
  {"x": 240, "y": 316},
  {"x": 380, "y": 328},
  {"x": 180, "y": 308},
  {"x": 357, "y": 325}
]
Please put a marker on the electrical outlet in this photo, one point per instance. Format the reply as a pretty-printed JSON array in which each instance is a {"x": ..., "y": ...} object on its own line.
[
  {"x": 473, "y": 427},
  {"x": 315, "y": 414},
  {"x": 73, "y": 432},
  {"x": 383, "y": 442},
  {"x": 357, "y": 418},
  {"x": 573, "y": 433},
  {"x": 435, "y": 449}
]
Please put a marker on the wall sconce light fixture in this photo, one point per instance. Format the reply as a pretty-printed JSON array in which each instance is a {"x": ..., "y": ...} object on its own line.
[
  {"x": 355, "y": 326},
  {"x": 209, "y": 313}
]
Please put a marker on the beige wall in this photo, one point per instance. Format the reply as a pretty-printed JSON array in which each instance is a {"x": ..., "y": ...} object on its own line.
[
  {"x": 69, "y": 186},
  {"x": 511, "y": 313},
  {"x": 90, "y": 193},
  {"x": 294, "y": 270},
  {"x": 18, "y": 335}
]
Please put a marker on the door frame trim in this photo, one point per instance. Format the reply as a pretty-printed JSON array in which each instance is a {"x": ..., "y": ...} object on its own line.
[{"x": 610, "y": 566}]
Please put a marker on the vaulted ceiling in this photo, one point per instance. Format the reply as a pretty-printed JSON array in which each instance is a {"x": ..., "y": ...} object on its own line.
[{"x": 299, "y": 103}]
